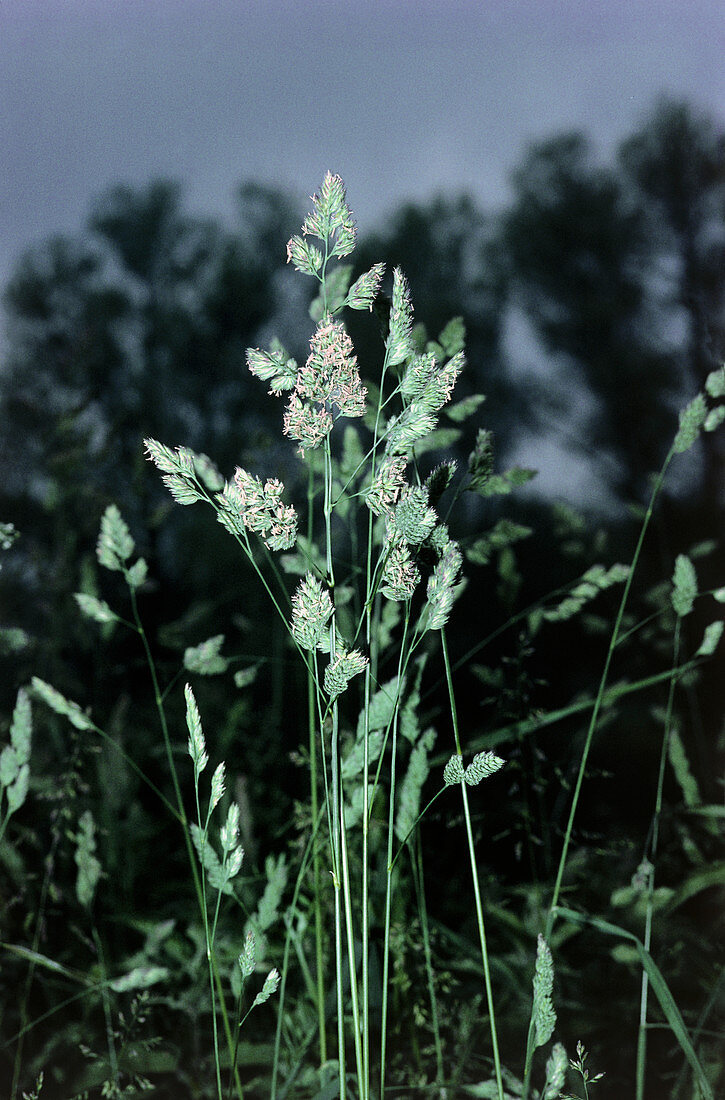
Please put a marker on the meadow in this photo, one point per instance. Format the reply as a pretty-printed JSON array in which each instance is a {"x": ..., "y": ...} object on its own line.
[{"x": 383, "y": 855}]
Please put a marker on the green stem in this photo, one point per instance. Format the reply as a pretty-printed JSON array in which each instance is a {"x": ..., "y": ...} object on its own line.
[
  {"x": 641, "y": 1066},
  {"x": 600, "y": 693},
  {"x": 310, "y": 852},
  {"x": 198, "y": 880},
  {"x": 314, "y": 807},
  {"x": 613, "y": 642},
  {"x": 112, "y": 1058},
  {"x": 336, "y": 815},
  {"x": 389, "y": 858},
  {"x": 474, "y": 874},
  {"x": 416, "y": 861}
]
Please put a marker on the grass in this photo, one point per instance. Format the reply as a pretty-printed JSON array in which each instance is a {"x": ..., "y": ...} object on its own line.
[{"x": 338, "y": 933}]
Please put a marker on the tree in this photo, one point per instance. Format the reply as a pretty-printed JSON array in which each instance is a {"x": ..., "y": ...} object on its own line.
[
  {"x": 676, "y": 162},
  {"x": 135, "y": 327},
  {"x": 579, "y": 254}
]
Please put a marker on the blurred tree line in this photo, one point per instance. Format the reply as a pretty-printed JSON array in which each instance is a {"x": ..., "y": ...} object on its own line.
[{"x": 138, "y": 325}]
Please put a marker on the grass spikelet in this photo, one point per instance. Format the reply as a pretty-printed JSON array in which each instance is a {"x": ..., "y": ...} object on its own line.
[{"x": 544, "y": 1016}]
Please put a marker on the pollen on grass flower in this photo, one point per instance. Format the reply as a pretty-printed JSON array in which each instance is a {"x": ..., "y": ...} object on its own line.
[
  {"x": 303, "y": 255},
  {"x": 441, "y": 585},
  {"x": 399, "y": 343},
  {"x": 429, "y": 382},
  {"x": 401, "y": 574},
  {"x": 413, "y": 519},
  {"x": 308, "y": 424},
  {"x": 330, "y": 375},
  {"x": 387, "y": 485},
  {"x": 274, "y": 366},
  {"x": 331, "y": 219},
  {"x": 311, "y": 610},
  {"x": 340, "y": 671},
  {"x": 413, "y": 424},
  {"x": 248, "y": 503},
  {"x": 363, "y": 291}
]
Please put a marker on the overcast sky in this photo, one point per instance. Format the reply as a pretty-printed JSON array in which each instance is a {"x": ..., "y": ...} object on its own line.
[{"x": 400, "y": 97}]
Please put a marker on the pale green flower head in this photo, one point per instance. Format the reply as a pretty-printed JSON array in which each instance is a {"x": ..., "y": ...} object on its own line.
[
  {"x": 387, "y": 485},
  {"x": 340, "y": 671},
  {"x": 330, "y": 376},
  {"x": 331, "y": 221},
  {"x": 247, "y": 503},
  {"x": 400, "y": 575},
  {"x": 311, "y": 611},
  {"x": 309, "y": 424}
]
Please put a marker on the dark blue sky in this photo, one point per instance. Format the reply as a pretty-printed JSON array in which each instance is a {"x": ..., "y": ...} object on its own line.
[{"x": 401, "y": 97}]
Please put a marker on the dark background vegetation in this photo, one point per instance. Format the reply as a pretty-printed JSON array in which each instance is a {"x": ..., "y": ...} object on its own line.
[{"x": 137, "y": 325}]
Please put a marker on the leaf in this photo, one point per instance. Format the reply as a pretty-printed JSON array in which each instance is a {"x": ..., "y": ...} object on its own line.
[
  {"x": 47, "y": 963},
  {"x": 714, "y": 419},
  {"x": 556, "y": 1067},
  {"x": 353, "y": 763},
  {"x": 438, "y": 440},
  {"x": 715, "y": 382},
  {"x": 243, "y": 677},
  {"x": 269, "y": 904},
  {"x": 9, "y": 766},
  {"x": 352, "y": 453},
  {"x": 501, "y": 484},
  {"x": 504, "y": 533},
  {"x": 337, "y": 281},
  {"x": 704, "y": 878},
  {"x": 713, "y": 811},
  {"x": 207, "y": 472},
  {"x": 596, "y": 579},
  {"x": 307, "y": 557},
  {"x": 17, "y": 792},
  {"x": 453, "y": 337},
  {"x": 412, "y": 785},
  {"x": 381, "y": 708}
]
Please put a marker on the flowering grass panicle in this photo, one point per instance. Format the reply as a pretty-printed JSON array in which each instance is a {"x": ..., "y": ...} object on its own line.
[{"x": 311, "y": 611}]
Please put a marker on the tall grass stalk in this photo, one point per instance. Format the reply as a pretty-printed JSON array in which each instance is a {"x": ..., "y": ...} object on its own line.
[
  {"x": 692, "y": 420},
  {"x": 651, "y": 857},
  {"x": 474, "y": 876}
]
